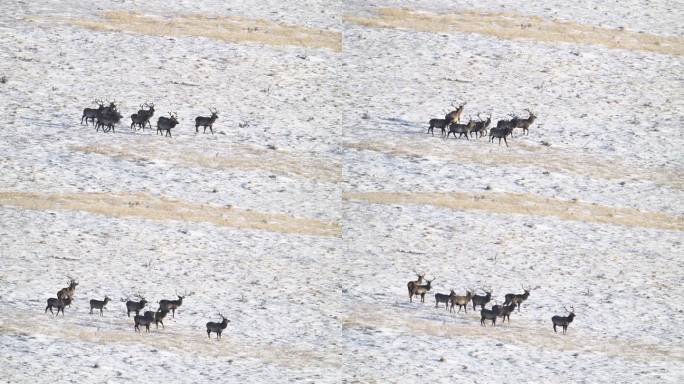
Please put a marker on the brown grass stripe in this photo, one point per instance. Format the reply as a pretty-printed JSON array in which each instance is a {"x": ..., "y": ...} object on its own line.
[
  {"x": 524, "y": 155},
  {"x": 526, "y": 204},
  {"x": 516, "y": 26},
  {"x": 151, "y": 207},
  {"x": 232, "y": 29}
]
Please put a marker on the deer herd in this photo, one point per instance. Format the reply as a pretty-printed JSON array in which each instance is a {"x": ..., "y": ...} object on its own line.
[
  {"x": 451, "y": 125},
  {"x": 65, "y": 297},
  {"x": 422, "y": 285},
  {"x": 107, "y": 114}
]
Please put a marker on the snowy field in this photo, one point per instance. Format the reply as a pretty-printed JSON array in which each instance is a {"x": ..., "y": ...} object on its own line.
[{"x": 304, "y": 216}]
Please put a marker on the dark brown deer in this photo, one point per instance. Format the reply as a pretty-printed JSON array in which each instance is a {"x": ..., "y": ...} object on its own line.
[
  {"x": 99, "y": 304},
  {"x": 461, "y": 129},
  {"x": 505, "y": 311},
  {"x": 446, "y": 299},
  {"x": 206, "y": 121},
  {"x": 172, "y": 305},
  {"x": 91, "y": 113},
  {"x": 421, "y": 290},
  {"x": 217, "y": 327},
  {"x": 58, "y": 304},
  {"x": 503, "y": 129},
  {"x": 563, "y": 321},
  {"x": 461, "y": 301},
  {"x": 517, "y": 298},
  {"x": 157, "y": 316},
  {"x": 439, "y": 123},
  {"x": 412, "y": 284},
  {"x": 134, "y": 306},
  {"x": 480, "y": 128},
  {"x": 524, "y": 124},
  {"x": 490, "y": 314},
  {"x": 68, "y": 292},
  {"x": 167, "y": 123},
  {"x": 482, "y": 300},
  {"x": 145, "y": 320}
]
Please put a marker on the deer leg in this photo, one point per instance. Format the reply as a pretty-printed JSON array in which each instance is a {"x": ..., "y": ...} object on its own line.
[
  {"x": 208, "y": 333},
  {"x": 196, "y": 128},
  {"x": 504, "y": 141},
  {"x": 101, "y": 312},
  {"x": 211, "y": 128}
]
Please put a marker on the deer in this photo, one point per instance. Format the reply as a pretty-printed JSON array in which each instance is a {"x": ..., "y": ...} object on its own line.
[
  {"x": 482, "y": 300},
  {"x": 525, "y": 123},
  {"x": 99, "y": 304},
  {"x": 439, "y": 123},
  {"x": 172, "y": 305},
  {"x": 206, "y": 121},
  {"x": 68, "y": 292},
  {"x": 505, "y": 311},
  {"x": 142, "y": 117},
  {"x": 412, "y": 284},
  {"x": 503, "y": 129},
  {"x": 461, "y": 129},
  {"x": 441, "y": 298},
  {"x": 490, "y": 314},
  {"x": 421, "y": 290},
  {"x": 455, "y": 115},
  {"x": 461, "y": 301},
  {"x": 91, "y": 113},
  {"x": 480, "y": 127},
  {"x": 166, "y": 123},
  {"x": 107, "y": 117},
  {"x": 563, "y": 321},
  {"x": 58, "y": 303},
  {"x": 217, "y": 327},
  {"x": 157, "y": 316},
  {"x": 145, "y": 320},
  {"x": 513, "y": 298},
  {"x": 134, "y": 306}
]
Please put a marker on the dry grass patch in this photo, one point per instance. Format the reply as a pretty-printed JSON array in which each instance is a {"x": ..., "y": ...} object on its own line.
[
  {"x": 526, "y": 204},
  {"x": 162, "y": 208},
  {"x": 232, "y": 29},
  {"x": 516, "y": 26},
  {"x": 228, "y": 348},
  {"x": 241, "y": 157},
  {"x": 551, "y": 159},
  {"x": 370, "y": 317}
]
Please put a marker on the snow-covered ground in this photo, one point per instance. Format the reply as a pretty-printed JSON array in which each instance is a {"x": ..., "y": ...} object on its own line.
[{"x": 286, "y": 220}]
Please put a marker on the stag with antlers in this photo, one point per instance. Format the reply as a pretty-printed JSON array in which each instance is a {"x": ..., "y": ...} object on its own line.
[
  {"x": 167, "y": 123},
  {"x": 518, "y": 298},
  {"x": 524, "y": 124},
  {"x": 206, "y": 121},
  {"x": 461, "y": 301},
  {"x": 134, "y": 306},
  {"x": 411, "y": 284},
  {"x": 563, "y": 321},
  {"x": 172, "y": 305},
  {"x": 482, "y": 300},
  {"x": 421, "y": 290},
  {"x": 142, "y": 117},
  {"x": 91, "y": 113},
  {"x": 217, "y": 327},
  {"x": 68, "y": 292},
  {"x": 455, "y": 115}
]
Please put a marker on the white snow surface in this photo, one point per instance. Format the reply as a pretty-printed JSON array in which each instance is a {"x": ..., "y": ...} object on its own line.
[{"x": 313, "y": 308}]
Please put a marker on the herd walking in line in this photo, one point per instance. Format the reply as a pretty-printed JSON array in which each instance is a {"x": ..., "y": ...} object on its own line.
[
  {"x": 65, "y": 298},
  {"x": 421, "y": 286},
  {"x": 451, "y": 125},
  {"x": 107, "y": 115}
]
